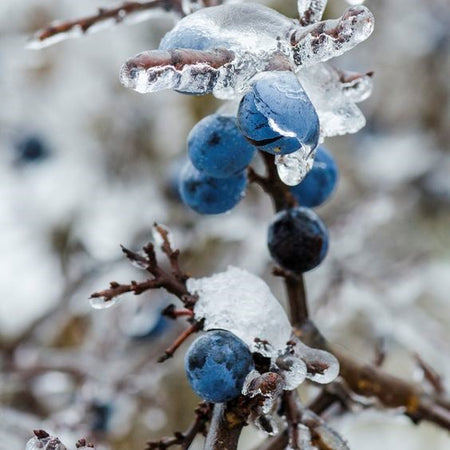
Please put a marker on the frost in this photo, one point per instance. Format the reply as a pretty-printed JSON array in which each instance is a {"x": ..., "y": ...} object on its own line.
[
  {"x": 292, "y": 168},
  {"x": 237, "y": 301}
]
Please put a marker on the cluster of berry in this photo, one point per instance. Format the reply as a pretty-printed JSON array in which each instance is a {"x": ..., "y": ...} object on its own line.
[{"x": 275, "y": 116}]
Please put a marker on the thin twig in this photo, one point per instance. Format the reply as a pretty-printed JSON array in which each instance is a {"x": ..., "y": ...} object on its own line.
[
  {"x": 202, "y": 417},
  {"x": 117, "y": 14},
  {"x": 169, "y": 352},
  {"x": 174, "y": 281}
]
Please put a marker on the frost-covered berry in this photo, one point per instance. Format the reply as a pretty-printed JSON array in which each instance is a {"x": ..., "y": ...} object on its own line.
[
  {"x": 217, "y": 148},
  {"x": 298, "y": 239},
  {"x": 320, "y": 182},
  {"x": 216, "y": 366},
  {"x": 277, "y": 116},
  {"x": 208, "y": 195}
]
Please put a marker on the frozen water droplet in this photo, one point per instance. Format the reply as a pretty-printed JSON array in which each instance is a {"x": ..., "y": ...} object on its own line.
[
  {"x": 240, "y": 302},
  {"x": 101, "y": 303},
  {"x": 292, "y": 168},
  {"x": 322, "y": 367},
  {"x": 293, "y": 370}
]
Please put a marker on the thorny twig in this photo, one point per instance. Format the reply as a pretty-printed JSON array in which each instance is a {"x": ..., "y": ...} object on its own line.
[
  {"x": 199, "y": 426},
  {"x": 173, "y": 280}
]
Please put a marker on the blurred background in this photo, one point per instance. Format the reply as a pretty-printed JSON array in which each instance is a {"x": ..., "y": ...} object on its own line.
[{"x": 86, "y": 165}]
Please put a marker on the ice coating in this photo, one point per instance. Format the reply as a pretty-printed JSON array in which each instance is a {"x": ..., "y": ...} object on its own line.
[
  {"x": 334, "y": 99},
  {"x": 292, "y": 168},
  {"x": 322, "y": 366},
  {"x": 47, "y": 443},
  {"x": 311, "y": 11},
  {"x": 240, "y": 302},
  {"x": 322, "y": 41},
  {"x": 101, "y": 303},
  {"x": 329, "y": 437},
  {"x": 293, "y": 371},
  {"x": 259, "y": 39}
]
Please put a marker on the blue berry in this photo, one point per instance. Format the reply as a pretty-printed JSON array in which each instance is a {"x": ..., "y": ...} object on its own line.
[
  {"x": 277, "y": 116},
  {"x": 216, "y": 366},
  {"x": 217, "y": 148},
  {"x": 100, "y": 414},
  {"x": 146, "y": 323},
  {"x": 208, "y": 195},
  {"x": 298, "y": 239},
  {"x": 320, "y": 182},
  {"x": 31, "y": 149}
]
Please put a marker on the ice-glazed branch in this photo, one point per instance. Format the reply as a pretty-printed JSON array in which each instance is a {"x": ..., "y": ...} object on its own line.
[
  {"x": 369, "y": 381},
  {"x": 126, "y": 12},
  {"x": 173, "y": 280},
  {"x": 311, "y": 11},
  {"x": 186, "y": 70},
  {"x": 322, "y": 41},
  {"x": 184, "y": 440}
]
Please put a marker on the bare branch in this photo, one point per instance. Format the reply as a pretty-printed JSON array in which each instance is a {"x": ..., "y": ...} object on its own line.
[
  {"x": 202, "y": 417},
  {"x": 174, "y": 281},
  {"x": 125, "y": 12},
  {"x": 169, "y": 352}
]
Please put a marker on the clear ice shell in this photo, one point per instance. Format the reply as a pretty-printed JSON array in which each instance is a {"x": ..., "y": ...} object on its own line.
[
  {"x": 101, "y": 303},
  {"x": 315, "y": 9},
  {"x": 322, "y": 41},
  {"x": 328, "y": 435},
  {"x": 292, "y": 168},
  {"x": 293, "y": 370},
  {"x": 242, "y": 303},
  {"x": 322, "y": 366},
  {"x": 334, "y": 100}
]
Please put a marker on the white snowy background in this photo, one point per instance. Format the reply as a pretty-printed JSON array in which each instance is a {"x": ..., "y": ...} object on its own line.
[{"x": 112, "y": 154}]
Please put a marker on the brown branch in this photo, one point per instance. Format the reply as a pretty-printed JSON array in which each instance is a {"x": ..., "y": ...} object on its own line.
[
  {"x": 226, "y": 426},
  {"x": 174, "y": 281},
  {"x": 169, "y": 352},
  {"x": 202, "y": 417},
  {"x": 369, "y": 381},
  {"x": 117, "y": 14},
  {"x": 430, "y": 375}
]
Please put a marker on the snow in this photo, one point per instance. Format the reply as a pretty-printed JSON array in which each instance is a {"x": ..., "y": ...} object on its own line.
[{"x": 240, "y": 302}]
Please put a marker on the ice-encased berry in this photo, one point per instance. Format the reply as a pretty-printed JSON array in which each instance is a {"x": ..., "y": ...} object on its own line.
[
  {"x": 217, "y": 147},
  {"x": 277, "y": 116},
  {"x": 320, "y": 181},
  {"x": 298, "y": 239},
  {"x": 208, "y": 195},
  {"x": 216, "y": 366}
]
